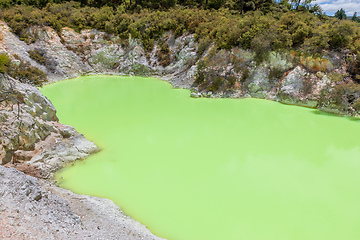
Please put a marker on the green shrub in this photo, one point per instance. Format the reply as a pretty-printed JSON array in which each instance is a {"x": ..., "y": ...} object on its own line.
[
  {"x": 200, "y": 76},
  {"x": 340, "y": 34},
  {"x": 231, "y": 80},
  {"x": 26, "y": 73},
  {"x": 163, "y": 53},
  {"x": 353, "y": 67},
  {"x": 245, "y": 75},
  {"x": 346, "y": 94},
  {"x": 336, "y": 77},
  {"x": 4, "y": 63},
  {"x": 275, "y": 73},
  {"x": 204, "y": 43},
  {"x": 269, "y": 27},
  {"x": 357, "y": 105},
  {"x": 215, "y": 85},
  {"x": 37, "y": 55}
]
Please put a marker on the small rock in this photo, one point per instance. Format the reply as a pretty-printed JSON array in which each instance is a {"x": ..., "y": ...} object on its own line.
[
  {"x": 320, "y": 74},
  {"x": 37, "y": 196},
  {"x": 194, "y": 95}
]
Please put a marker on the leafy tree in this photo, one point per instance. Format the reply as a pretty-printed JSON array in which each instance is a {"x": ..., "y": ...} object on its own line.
[
  {"x": 297, "y": 3},
  {"x": 340, "y": 14},
  {"x": 317, "y": 10},
  {"x": 355, "y": 18}
]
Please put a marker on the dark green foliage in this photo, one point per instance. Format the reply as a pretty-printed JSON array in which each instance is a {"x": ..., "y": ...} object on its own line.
[
  {"x": 163, "y": 53},
  {"x": 215, "y": 85},
  {"x": 245, "y": 75},
  {"x": 347, "y": 94},
  {"x": 307, "y": 86},
  {"x": 340, "y": 36},
  {"x": 37, "y": 55},
  {"x": 140, "y": 70},
  {"x": 316, "y": 9},
  {"x": 200, "y": 76},
  {"x": 278, "y": 29},
  {"x": 248, "y": 5},
  {"x": 231, "y": 80},
  {"x": 355, "y": 18},
  {"x": 301, "y": 4},
  {"x": 354, "y": 68},
  {"x": 26, "y": 73},
  {"x": 261, "y": 45},
  {"x": 159, "y": 4},
  {"x": 22, "y": 71},
  {"x": 275, "y": 73},
  {"x": 204, "y": 43},
  {"x": 213, "y": 72},
  {"x": 340, "y": 14},
  {"x": 4, "y": 63},
  {"x": 357, "y": 105},
  {"x": 265, "y": 26}
]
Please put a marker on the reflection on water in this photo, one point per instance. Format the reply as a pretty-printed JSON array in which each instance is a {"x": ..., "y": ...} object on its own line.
[{"x": 213, "y": 168}]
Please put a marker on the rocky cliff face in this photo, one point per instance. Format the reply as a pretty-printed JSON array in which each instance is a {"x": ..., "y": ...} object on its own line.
[
  {"x": 33, "y": 141},
  {"x": 283, "y": 77},
  {"x": 93, "y": 52},
  {"x": 31, "y": 134}
]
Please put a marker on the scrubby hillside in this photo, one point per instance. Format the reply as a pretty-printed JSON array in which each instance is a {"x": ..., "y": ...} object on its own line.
[{"x": 288, "y": 53}]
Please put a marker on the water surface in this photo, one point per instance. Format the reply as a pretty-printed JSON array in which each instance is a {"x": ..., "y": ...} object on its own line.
[{"x": 244, "y": 169}]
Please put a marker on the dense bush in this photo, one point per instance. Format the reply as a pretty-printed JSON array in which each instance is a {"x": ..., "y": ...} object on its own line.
[
  {"x": 262, "y": 31},
  {"x": 264, "y": 26},
  {"x": 26, "y": 73},
  {"x": 22, "y": 71},
  {"x": 249, "y": 5},
  {"x": 37, "y": 55},
  {"x": 4, "y": 63},
  {"x": 347, "y": 94},
  {"x": 354, "y": 68},
  {"x": 163, "y": 53}
]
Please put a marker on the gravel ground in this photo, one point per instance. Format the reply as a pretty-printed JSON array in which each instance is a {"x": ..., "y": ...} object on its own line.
[{"x": 37, "y": 209}]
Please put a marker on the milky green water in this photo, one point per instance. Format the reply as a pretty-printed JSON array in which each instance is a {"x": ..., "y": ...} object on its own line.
[{"x": 244, "y": 169}]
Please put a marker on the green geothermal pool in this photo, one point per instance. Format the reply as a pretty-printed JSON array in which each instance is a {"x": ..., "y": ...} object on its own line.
[{"x": 243, "y": 169}]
